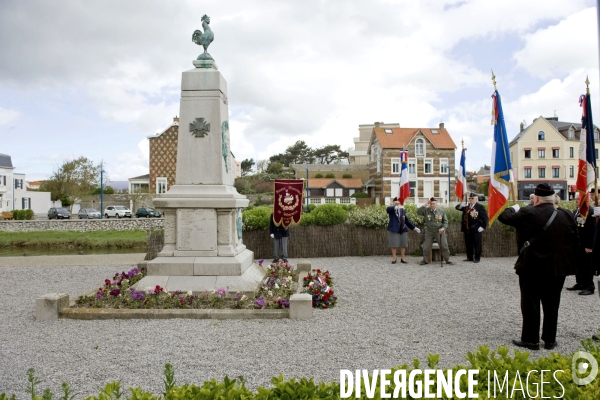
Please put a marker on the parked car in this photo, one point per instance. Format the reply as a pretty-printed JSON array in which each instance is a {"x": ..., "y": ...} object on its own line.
[
  {"x": 117, "y": 212},
  {"x": 89, "y": 213},
  {"x": 59, "y": 213},
  {"x": 147, "y": 212}
]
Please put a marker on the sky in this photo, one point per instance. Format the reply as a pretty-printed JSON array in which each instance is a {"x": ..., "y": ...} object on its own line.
[{"x": 95, "y": 79}]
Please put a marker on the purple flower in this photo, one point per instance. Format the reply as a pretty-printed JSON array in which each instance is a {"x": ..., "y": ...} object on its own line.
[
  {"x": 222, "y": 292},
  {"x": 132, "y": 289},
  {"x": 261, "y": 261},
  {"x": 137, "y": 295},
  {"x": 99, "y": 295},
  {"x": 133, "y": 272},
  {"x": 260, "y": 302},
  {"x": 115, "y": 292},
  {"x": 238, "y": 297}
]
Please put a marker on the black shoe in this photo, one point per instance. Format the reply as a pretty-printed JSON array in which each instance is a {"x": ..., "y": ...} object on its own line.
[
  {"x": 449, "y": 262},
  {"x": 530, "y": 346},
  {"x": 393, "y": 261},
  {"x": 586, "y": 292},
  {"x": 575, "y": 287},
  {"x": 275, "y": 260},
  {"x": 596, "y": 338},
  {"x": 467, "y": 260},
  {"x": 476, "y": 261},
  {"x": 403, "y": 262},
  {"x": 550, "y": 345}
]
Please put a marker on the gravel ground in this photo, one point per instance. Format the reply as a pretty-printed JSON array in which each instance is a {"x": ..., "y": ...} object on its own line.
[{"x": 386, "y": 316}]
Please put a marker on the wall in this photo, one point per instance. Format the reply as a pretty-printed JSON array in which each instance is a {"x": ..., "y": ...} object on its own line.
[
  {"x": 119, "y": 199},
  {"x": 83, "y": 225}
]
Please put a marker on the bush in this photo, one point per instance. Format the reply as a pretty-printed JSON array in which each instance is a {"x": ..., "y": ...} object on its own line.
[
  {"x": 22, "y": 214},
  {"x": 307, "y": 218},
  {"x": 330, "y": 175},
  {"x": 373, "y": 216},
  {"x": 453, "y": 214},
  {"x": 360, "y": 195},
  {"x": 347, "y": 176},
  {"x": 411, "y": 213},
  {"x": 311, "y": 207},
  {"x": 256, "y": 218},
  {"x": 329, "y": 214},
  {"x": 318, "y": 175}
]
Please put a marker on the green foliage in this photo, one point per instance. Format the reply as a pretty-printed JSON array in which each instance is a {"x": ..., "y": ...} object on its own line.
[
  {"x": 567, "y": 205},
  {"x": 72, "y": 179},
  {"x": 360, "y": 195},
  {"x": 256, "y": 218},
  {"x": 307, "y": 218},
  {"x": 89, "y": 239},
  {"x": 330, "y": 175},
  {"x": 329, "y": 214},
  {"x": 246, "y": 166},
  {"x": 105, "y": 190},
  {"x": 373, "y": 216},
  {"x": 318, "y": 175},
  {"x": 311, "y": 207},
  {"x": 453, "y": 214},
  {"x": 22, "y": 214},
  {"x": 347, "y": 176},
  {"x": 411, "y": 213}
]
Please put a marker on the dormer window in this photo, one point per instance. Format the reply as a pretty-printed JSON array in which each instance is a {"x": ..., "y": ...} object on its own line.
[
  {"x": 419, "y": 147},
  {"x": 435, "y": 131},
  {"x": 388, "y": 131},
  {"x": 541, "y": 135},
  {"x": 596, "y": 135},
  {"x": 571, "y": 133}
]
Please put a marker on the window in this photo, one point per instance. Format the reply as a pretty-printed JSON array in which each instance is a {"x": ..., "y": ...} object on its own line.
[
  {"x": 428, "y": 166},
  {"x": 595, "y": 152},
  {"x": 435, "y": 131},
  {"x": 555, "y": 172},
  {"x": 161, "y": 185},
  {"x": 378, "y": 160},
  {"x": 395, "y": 166},
  {"x": 351, "y": 192},
  {"x": 412, "y": 166},
  {"x": 596, "y": 135},
  {"x": 420, "y": 147},
  {"x": 19, "y": 183},
  {"x": 413, "y": 186},
  {"x": 527, "y": 153},
  {"x": 571, "y": 152},
  {"x": 329, "y": 192},
  {"x": 555, "y": 153},
  {"x": 527, "y": 172},
  {"x": 2, "y": 181},
  {"x": 444, "y": 166},
  {"x": 571, "y": 171},
  {"x": 571, "y": 133},
  {"x": 541, "y": 153},
  {"x": 388, "y": 131},
  {"x": 542, "y": 172},
  {"x": 541, "y": 135},
  {"x": 339, "y": 192}
]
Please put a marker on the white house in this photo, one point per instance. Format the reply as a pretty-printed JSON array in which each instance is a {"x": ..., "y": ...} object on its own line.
[{"x": 14, "y": 193}]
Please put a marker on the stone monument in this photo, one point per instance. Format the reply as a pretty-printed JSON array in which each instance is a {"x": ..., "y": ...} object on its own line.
[{"x": 203, "y": 211}]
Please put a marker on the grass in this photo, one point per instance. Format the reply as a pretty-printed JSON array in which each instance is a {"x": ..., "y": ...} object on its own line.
[{"x": 92, "y": 239}]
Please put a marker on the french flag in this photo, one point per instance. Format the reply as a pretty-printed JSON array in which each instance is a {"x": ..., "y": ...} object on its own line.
[
  {"x": 404, "y": 190},
  {"x": 461, "y": 179},
  {"x": 587, "y": 157}
]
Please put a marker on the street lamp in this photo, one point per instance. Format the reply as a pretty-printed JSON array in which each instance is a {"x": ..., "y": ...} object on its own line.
[{"x": 101, "y": 189}]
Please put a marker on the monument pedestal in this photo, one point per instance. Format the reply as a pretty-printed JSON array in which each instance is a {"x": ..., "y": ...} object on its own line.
[{"x": 203, "y": 248}]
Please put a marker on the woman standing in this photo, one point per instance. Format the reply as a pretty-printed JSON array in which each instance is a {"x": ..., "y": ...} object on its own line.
[{"x": 398, "y": 229}]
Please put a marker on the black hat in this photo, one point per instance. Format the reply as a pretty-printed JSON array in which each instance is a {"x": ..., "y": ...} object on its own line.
[
  {"x": 395, "y": 199},
  {"x": 543, "y": 189},
  {"x": 592, "y": 190},
  {"x": 472, "y": 195},
  {"x": 432, "y": 199}
]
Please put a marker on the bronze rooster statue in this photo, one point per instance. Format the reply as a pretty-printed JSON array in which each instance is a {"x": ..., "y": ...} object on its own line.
[{"x": 204, "y": 39}]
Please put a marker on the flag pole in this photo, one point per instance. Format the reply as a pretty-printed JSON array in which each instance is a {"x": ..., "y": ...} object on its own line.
[
  {"x": 510, "y": 172},
  {"x": 587, "y": 91},
  {"x": 464, "y": 195}
]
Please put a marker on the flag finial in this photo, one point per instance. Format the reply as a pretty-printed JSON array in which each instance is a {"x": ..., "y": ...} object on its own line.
[
  {"x": 587, "y": 85},
  {"x": 494, "y": 79},
  {"x": 462, "y": 141}
]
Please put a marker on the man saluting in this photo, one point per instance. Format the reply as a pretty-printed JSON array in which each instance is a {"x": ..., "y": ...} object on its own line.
[{"x": 474, "y": 221}]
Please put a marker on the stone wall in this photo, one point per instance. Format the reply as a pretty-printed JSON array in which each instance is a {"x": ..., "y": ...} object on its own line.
[{"x": 83, "y": 225}]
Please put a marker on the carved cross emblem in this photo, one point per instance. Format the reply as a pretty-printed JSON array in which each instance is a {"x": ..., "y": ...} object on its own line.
[{"x": 199, "y": 127}]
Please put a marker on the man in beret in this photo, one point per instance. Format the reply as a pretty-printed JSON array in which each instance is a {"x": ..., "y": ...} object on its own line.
[
  {"x": 584, "y": 277},
  {"x": 474, "y": 221},
  {"x": 547, "y": 240},
  {"x": 436, "y": 223}
]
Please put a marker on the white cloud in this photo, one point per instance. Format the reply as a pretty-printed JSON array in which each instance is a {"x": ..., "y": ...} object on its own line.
[{"x": 8, "y": 117}]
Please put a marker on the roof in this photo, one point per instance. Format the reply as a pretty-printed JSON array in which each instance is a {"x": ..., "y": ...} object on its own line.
[
  {"x": 145, "y": 177},
  {"x": 158, "y": 134},
  {"x": 350, "y": 183},
  {"x": 561, "y": 127},
  {"x": 401, "y": 137},
  {"x": 5, "y": 161}
]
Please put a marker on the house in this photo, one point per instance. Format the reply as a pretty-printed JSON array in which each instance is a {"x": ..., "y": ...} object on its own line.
[
  {"x": 6, "y": 183},
  {"x": 547, "y": 151},
  {"x": 327, "y": 190},
  {"x": 360, "y": 156},
  {"x": 33, "y": 185},
  {"x": 431, "y": 157},
  {"x": 139, "y": 184},
  {"x": 14, "y": 193}
]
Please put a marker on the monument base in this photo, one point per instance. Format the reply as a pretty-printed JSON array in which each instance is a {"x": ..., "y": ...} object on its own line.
[{"x": 247, "y": 283}]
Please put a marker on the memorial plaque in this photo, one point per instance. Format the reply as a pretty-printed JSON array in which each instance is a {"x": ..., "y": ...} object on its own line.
[{"x": 196, "y": 229}]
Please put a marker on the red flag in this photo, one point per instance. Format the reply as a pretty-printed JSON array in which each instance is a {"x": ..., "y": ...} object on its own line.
[{"x": 287, "y": 207}]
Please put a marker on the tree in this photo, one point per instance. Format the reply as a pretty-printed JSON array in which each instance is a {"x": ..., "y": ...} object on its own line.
[
  {"x": 262, "y": 165},
  {"x": 298, "y": 153},
  {"x": 330, "y": 154},
  {"x": 73, "y": 179},
  {"x": 105, "y": 190},
  {"x": 247, "y": 165}
]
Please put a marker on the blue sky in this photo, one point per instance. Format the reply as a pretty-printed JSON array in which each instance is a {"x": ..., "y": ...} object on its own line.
[{"x": 95, "y": 79}]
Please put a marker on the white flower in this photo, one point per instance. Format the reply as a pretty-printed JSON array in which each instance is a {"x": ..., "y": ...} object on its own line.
[
  {"x": 148, "y": 289},
  {"x": 276, "y": 286},
  {"x": 269, "y": 267},
  {"x": 189, "y": 293},
  {"x": 311, "y": 284},
  {"x": 166, "y": 291},
  {"x": 125, "y": 281},
  {"x": 270, "y": 294},
  {"x": 244, "y": 298}
]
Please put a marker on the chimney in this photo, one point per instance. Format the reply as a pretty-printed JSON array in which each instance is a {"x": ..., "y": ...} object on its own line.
[
  {"x": 377, "y": 123},
  {"x": 176, "y": 119},
  {"x": 441, "y": 125},
  {"x": 522, "y": 127}
]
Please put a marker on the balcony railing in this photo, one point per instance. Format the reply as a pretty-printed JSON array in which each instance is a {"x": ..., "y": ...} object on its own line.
[{"x": 331, "y": 200}]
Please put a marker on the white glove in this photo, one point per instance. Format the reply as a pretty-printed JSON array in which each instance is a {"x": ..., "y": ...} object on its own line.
[
  {"x": 272, "y": 236},
  {"x": 419, "y": 231},
  {"x": 462, "y": 205},
  {"x": 516, "y": 207},
  {"x": 596, "y": 212},
  {"x": 480, "y": 229}
]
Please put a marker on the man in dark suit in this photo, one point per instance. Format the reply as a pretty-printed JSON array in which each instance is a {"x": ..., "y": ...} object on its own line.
[
  {"x": 474, "y": 221},
  {"x": 585, "y": 275},
  {"x": 547, "y": 244}
]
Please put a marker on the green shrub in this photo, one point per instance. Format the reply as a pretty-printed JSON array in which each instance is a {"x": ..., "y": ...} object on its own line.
[
  {"x": 307, "y": 218},
  {"x": 373, "y": 216},
  {"x": 453, "y": 214},
  {"x": 318, "y": 175},
  {"x": 360, "y": 195},
  {"x": 256, "y": 218},
  {"x": 329, "y": 214},
  {"x": 347, "y": 176},
  {"x": 411, "y": 213},
  {"x": 330, "y": 175},
  {"x": 22, "y": 214},
  {"x": 311, "y": 207}
]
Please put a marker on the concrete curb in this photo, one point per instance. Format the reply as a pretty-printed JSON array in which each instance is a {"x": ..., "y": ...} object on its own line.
[{"x": 105, "y": 313}]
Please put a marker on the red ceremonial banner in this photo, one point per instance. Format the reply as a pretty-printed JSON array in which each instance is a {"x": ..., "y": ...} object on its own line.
[{"x": 288, "y": 200}]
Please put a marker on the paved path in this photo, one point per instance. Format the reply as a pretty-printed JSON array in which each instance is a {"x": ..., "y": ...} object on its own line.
[{"x": 72, "y": 260}]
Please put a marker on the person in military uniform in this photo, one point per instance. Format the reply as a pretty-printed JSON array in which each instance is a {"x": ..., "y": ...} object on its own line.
[
  {"x": 280, "y": 236},
  {"x": 474, "y": 221},
  {"x": 548, "y": 241},
  {"x": 436, "y": 223},
  {"x": 584, "y": 277}
]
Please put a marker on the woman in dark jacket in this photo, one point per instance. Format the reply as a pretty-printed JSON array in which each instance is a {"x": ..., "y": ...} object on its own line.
[{"x": 398, "y": 229}]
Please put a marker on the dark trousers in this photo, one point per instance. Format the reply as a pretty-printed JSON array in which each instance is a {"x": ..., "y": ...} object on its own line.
[
  {"x": 536, "y": 289},
  {"x": 473, "y": 245},
  {"x": 585, "y": 275}
]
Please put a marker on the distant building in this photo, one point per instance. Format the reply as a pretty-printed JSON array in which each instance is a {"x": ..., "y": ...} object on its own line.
[
  {"x": 359, "y": 155},
  {"x": 139, "y": 184},
  {"x": 33, "y": 185},
  {"x": 14, "y": 193},
  {"x": 327, "y": 190}
]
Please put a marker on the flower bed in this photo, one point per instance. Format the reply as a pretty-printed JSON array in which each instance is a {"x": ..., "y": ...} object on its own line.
[{"x": 119, "y": 293}]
